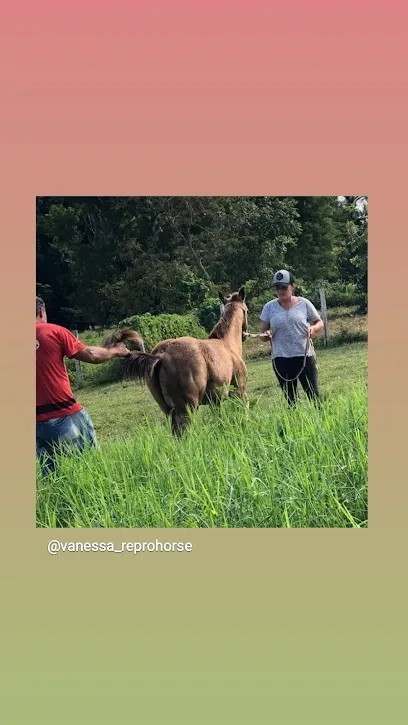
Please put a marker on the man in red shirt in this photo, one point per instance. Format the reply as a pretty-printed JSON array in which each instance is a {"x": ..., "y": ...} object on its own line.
[{"x": 60, "y": 419}]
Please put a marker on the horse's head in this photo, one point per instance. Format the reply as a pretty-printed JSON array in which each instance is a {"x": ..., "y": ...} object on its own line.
[{"x": 234, "y": 298}]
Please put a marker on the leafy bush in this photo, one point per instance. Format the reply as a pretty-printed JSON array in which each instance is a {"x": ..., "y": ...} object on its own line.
[
  {"x": 209, "y": 313},
  {"x": 338, "y": 294},
  {"x": 152, "y": 328},
  {"x": 155, "y": 328}
]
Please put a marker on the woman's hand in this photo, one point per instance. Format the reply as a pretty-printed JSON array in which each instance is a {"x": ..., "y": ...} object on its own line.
[
  {"x": 315, "y": 328},
  {"x": 266, "y": 336}
]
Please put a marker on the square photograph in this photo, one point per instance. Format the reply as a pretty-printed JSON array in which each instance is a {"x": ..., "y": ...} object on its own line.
[{"x": 201, "y": 362}]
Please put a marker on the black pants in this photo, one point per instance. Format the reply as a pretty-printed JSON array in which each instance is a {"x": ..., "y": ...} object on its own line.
[{"x": 289, "y": 367}]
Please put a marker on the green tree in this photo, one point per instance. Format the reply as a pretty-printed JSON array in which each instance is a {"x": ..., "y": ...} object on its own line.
[
  {"x": 313, "y": 257},
  {"x": 353, "y": 254},
  {"x": 101, "y": 259}
]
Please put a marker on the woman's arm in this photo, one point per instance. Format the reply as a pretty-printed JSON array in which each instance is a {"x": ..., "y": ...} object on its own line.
[
  {"x": 316, "y": 327},
  {"x": 265, "y": 335},
  {"x": 314, "y": 319}
]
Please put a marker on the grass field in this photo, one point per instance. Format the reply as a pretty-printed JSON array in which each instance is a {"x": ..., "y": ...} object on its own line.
[{"x": 233, "y": 467}]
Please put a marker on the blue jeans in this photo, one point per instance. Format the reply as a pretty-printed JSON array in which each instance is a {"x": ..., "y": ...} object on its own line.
[{"x": 75, "y": 432}]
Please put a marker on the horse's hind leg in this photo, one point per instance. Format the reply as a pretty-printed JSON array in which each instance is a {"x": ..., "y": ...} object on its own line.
[
  {"x": 239, "y": 380},
  {"x": 179, "y": 421},
  {"x": 157, "y": 395},
  {"x": 212, "y": 397},
  {"x": 155, "y": 387}
]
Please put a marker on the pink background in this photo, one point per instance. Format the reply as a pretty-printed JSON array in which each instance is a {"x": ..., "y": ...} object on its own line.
[{"x": 207, "y": 98}]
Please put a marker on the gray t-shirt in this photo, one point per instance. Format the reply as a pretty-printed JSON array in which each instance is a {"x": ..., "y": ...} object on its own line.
[{"x": 289, "y": 327}]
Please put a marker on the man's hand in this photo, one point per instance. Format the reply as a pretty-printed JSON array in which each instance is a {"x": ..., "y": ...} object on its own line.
[
  {"x": 266, "y": 336},
  {"x": 312, "y": 331},
  {"x": 121, "y": 350}
]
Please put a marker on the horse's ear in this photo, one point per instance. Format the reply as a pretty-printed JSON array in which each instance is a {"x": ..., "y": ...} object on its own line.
[
  {"x": 242, "y": 293},
  {"x": 222, "y": 298}
]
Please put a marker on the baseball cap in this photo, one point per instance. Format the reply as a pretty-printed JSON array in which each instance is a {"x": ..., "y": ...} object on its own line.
[{"x": 283, "y": 277}]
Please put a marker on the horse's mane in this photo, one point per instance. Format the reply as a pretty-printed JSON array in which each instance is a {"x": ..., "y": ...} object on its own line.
[{"x": 223, "y": 325}]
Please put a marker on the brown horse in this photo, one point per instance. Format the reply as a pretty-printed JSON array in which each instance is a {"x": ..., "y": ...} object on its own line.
[{"x": 186, "y": 372}]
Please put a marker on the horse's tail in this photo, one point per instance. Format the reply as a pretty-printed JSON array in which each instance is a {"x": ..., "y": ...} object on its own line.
[
  {"x": 141, "y": 366},
  {"x": 146, "y": 368},
  {"x": 122, "y": 335}
]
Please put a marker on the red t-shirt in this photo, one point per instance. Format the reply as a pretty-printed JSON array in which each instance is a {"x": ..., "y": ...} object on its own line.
[{"x": 54, "y": 394}]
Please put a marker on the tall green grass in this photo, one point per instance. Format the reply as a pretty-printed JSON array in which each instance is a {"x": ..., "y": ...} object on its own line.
[{"x": 269, "y": 466}]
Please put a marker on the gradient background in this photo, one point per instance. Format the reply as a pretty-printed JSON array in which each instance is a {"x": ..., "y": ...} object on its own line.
[{"x": 279, "y": 626}]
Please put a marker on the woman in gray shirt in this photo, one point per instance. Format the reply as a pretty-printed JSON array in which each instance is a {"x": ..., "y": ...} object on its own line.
[{"x": 290, "y": 322}]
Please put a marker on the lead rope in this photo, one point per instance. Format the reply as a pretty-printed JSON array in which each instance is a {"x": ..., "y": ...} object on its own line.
[{"x": 309, "y": 344}]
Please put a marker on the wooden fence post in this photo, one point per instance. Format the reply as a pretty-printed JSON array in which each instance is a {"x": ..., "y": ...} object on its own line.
[
  {"x": 323, "y": 309},
  {"x": 78, "y": 367}
]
